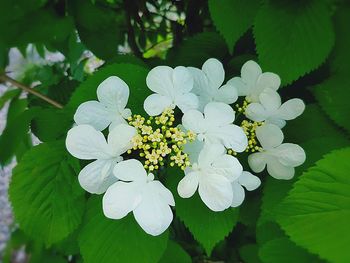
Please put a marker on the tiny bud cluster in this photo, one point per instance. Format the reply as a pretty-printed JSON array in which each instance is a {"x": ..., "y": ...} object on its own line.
[{"x": 157, "y": 139}]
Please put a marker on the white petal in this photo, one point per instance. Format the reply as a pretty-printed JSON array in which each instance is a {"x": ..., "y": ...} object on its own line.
[
  {"x": 188, "y": 185},
  {"x": 84, "y": 142},
  {"x": 193, "y": 120},
  {"x": 192, "y": 149},
  {"x": 290, "y": 154},
  {"x": 242, "y": 88},
  {"x": 183, "y": 80},
  {"x": 130, "y": 170},
  {"x": 160, "y": 80},
  {"x": 268, "y": 80},
  {"x": 276, "y": 121},
  {"x": 94, "y": 114},
  {"x": 155, "y": 104},
  {"x": 218, "y": 114},
  {"x": 231, "y": 136},
  {"x": 257, "y": 162},
  {"x": 214, "y": 71},
  {"x": 278, "y": 170},
  {"x": 186, "y": 102},
  {"x": 256, "y": 112},
  {"x": 215, "y": 191},
  {"x": 113, "y": 92},
  {"x": 200, "y": 81},
  {"x": 269, "y": 136},
  {"x": 250, "y": 71},
  {"x": 117, "y": 119},
  {"x": 97, "y": 176},
  {"x": 120, "y": 199},
  {"x": 270, "y": 99},
  {"x": 291, "y": 109},
  {"x": 238, "y": 194},
  {"x": 228, "y": 166},
  {"x": 226, "y": 94},
  {"x": 164, "y": 192},
  {"x": 119, "y": 139},
  {"x": 210, "y": 153},
  {"x": 153, "y": 214},
  {"x": 249, "y": 181}
]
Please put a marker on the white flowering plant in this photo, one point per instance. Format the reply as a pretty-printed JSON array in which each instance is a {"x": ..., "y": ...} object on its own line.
[
  {"x": 194, "y": 122},
  {"x": 158, "y": 131}
]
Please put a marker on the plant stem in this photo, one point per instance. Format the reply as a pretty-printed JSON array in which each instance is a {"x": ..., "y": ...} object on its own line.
[{"x": 17, "y": 84}]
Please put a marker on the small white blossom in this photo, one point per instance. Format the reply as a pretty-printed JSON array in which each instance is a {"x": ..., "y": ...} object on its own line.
[
  {"x": 86, "y": 143},
  {"x": 138, "y": 192},
  {"x": 252, "y": 81},
  {"x": 279, "y": 158},
  {"x": 113, "y": 95},
  {"x": 250, "y": 183},
  {"x": 208, "y": 84},
  {"x": 271, "y": 111},
  {"x": 172, "y": 88},
  {"x": 212, "y": 174},
  {"x": 216, "y": 126}
]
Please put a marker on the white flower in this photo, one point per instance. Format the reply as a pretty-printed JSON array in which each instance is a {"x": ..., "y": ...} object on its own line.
[
  {"x": 252, "y": 81},
  {"x": 216, "y": 126},
  {"x": 279, "y": 158},
  {"x": 249, "y": 181},
  {"x": 172, "y": 88},
  {"x": 147, "y": 198},
  {"x": 271, "y": 111},
  {"x": 113, "y": 95},
  {"x": 84, "y": 142},
  {"x": 208, "y": 81},
  {"x": 212, "y": 175}
]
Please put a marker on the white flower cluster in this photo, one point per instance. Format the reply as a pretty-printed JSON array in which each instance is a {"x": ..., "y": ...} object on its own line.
[{"x": 190, "y": 125}]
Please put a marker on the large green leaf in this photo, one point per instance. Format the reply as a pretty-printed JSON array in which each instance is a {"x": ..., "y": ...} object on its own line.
[
  {"x": 233, "y": 17},
  {"x": 112, "y": 241},
  {"x": 317, "y": 136},
  {"x": 283, "y": 250},
  {"x": 333, "y": 95},
  {"x": 47, "y": 199},
  {"x": 99, "y": 28},
  {"x": 174, "y": 253},
  {"x": 293, "y": 37},
  {"x": 194, "y": 51},
  {"x": 316, "y": 212},
  {"x": 51, "y": 124},
  {"x": 207, "y": 227},
  {"x": 133, "y": 75}
]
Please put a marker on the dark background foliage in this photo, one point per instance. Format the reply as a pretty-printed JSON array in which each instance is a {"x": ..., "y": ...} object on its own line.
[{"x": 305, "y": 42}]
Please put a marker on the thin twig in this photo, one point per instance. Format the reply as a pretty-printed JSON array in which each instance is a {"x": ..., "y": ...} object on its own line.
[{"x": 30, "y": 90}]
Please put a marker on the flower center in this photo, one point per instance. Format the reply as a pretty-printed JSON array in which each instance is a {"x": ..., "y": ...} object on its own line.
[{"x": 158, "y": 142}]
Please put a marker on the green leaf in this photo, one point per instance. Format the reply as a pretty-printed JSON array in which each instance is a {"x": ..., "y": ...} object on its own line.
[
  {"x": 113, "y": 241},
  {"x": 51, "y": 124},
  {"x": 14, "y": 133},
  {"x": 316, "y": 212},
  {"x": 208, "y": 227},
  {"x": 99, "y": 28},
  {"x": 293, "y": 39},
  {"x": 47, "y": 199},
  {"x": 340, "y": 57},
  {"x": 8, "y": 95},
  {"x": 133, "y": 75},
  {"x": 195, "y": 50},
  {"x": 333, "y": 96},
  {"x": 174, "y": 253},
  {"x": 233, "y": 17},
  {"x": 249, "y": 253},
  {"x": 283, "y": 250},
  {"x": 317, "y": 137}
]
